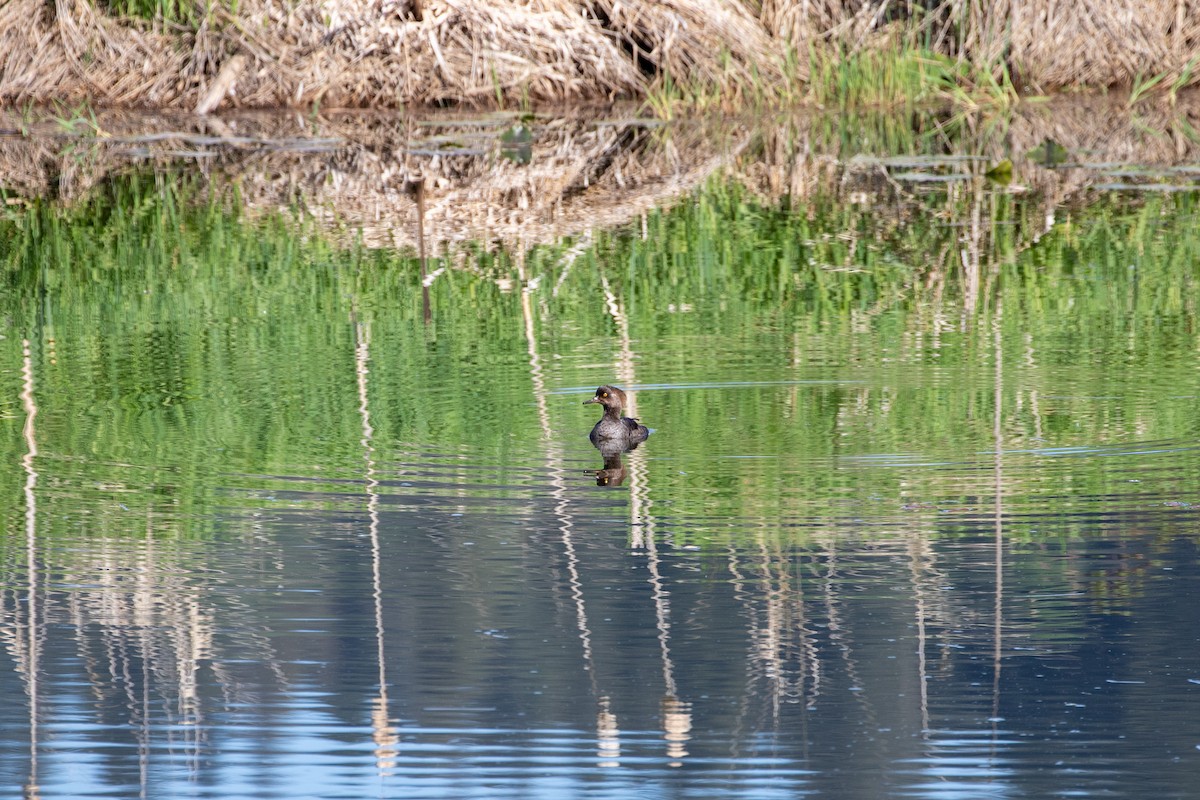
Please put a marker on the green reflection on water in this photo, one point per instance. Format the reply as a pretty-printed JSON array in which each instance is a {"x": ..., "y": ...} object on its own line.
[{"x": 798, "y": 362}]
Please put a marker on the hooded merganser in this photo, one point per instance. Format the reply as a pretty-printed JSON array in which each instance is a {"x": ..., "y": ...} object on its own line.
[{"x": 612, "y": 427}]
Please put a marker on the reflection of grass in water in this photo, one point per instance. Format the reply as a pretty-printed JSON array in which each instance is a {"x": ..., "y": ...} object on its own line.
[
  {"x": 178, "y": 343},
  {"x": 149, "y": 306},
  {"x": 834, "y": 281}
]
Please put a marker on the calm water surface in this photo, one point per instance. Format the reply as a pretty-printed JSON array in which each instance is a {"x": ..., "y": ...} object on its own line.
[{"x": 898, "y": 533}]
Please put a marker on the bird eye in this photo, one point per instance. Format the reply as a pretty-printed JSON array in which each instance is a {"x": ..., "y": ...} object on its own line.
[{"x": 604, "y": 394}]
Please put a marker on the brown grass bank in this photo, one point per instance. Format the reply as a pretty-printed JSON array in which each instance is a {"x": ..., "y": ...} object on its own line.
[
  {"x": 1044, "y": 44},
  {"x": 481, "y": 53},
  {"x": 383, "y": 53}
]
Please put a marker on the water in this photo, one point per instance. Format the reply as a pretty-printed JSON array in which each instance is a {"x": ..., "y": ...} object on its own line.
[{"x": 918, "y": 517}]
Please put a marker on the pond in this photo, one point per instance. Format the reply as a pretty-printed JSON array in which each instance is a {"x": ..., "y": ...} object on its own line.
[{"x": 293, "y": 512}]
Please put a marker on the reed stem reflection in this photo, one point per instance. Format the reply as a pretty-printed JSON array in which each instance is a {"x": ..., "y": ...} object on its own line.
[
  {"x": 383, "y": 733},
  {"x": 31, "y": 666},
  {"x": 998, "y": 518},
  {"x": 608, "y": 732},
  {"x": 641, "y": 522}
]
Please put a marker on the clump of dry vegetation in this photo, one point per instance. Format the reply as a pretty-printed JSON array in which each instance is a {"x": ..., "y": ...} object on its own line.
[
  {"x": 69, "y": 51},
  {"x": 1104, "y": 42},
  {"x": 384, "y": 53},
  {"x": 477, "y": 53}
]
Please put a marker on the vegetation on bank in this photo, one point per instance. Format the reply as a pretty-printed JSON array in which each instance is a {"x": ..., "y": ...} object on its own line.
[{"x": 205, "y": 54}]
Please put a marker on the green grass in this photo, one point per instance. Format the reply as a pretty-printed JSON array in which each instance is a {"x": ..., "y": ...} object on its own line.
[
  {"x": 899, "y": 75},
  {"x": 187, "y": 14},
  {"x": 896, "y": 76}
]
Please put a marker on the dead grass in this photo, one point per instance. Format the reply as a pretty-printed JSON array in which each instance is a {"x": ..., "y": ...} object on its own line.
[
  {"x": 1102, "y": 42},
  {"x": 376, "y": 53},
  {"x": 704, "y": 46},
  {"x": 1049, "y": 44},
  {"x": 67, "y": 51},
  {"x": 523, "y": 53}
]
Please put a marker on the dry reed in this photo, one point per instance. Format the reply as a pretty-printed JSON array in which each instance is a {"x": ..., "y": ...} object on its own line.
[
  {"x": 1103, "y": 42},
  {"x": 476, "y": 53},
  {"x": 1048, "y": 43},
  {"x": 376, "y": 53},
  {"x": 805, "y": 23},
  {"x": 704, "y": 45},
  {"x": 70, "y": 52}
]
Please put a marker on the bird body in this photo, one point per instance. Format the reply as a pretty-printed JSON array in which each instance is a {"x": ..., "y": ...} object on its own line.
[{"x": 614, "y": 429}]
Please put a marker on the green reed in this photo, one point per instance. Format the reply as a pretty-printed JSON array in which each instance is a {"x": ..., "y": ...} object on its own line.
[
  {"x": 182, "y": 13},
  {"x": 901, "y": 74}
]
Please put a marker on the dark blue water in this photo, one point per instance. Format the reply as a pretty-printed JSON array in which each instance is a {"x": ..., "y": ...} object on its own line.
[{"x": 427, "y": 644}]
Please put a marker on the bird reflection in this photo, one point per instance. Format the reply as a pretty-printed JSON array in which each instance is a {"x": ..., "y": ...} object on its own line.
[{"x": 614, "y": 470}]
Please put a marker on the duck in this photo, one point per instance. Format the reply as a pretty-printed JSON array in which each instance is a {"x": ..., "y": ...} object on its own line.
[{"x": 613, "y": 429}]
